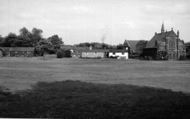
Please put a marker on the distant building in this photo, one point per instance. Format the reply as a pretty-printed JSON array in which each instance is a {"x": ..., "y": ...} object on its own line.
[
  {"x": 165, "y": 44},
  {"x": 131, "y": 44},
  {"x": 18, "y": 51},
  {"x": 75, "y": 50},
  {"x": 94, "y": 53},
  {"x": 119, "y": 54},
  {"x": 135, "y": 47},
  {"x": 187, "y": 46}
]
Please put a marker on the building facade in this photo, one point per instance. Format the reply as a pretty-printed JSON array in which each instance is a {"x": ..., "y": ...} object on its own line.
[
  {"x": 168, "y": 43},
  {"x": 94, "y": 53},
  {"x": 119, "y": 54}
]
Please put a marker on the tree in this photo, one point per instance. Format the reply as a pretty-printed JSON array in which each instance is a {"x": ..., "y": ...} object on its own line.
[
  {"x": 36, "y": 36},
  {"x": 56, "y": 41},
  {"x": 1, "y": 41},
  {"x": 63, "y": 53},
  {"x": 43, "y": 46},
  {"x": 120, "y": 46},
  {"x": 25, "y": 33},
  {"x": 9, "y": 40},
  {"x": 24, "y": 38}
]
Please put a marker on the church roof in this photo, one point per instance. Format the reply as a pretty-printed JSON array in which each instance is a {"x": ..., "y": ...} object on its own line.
[{"x": 160, "y": 37}]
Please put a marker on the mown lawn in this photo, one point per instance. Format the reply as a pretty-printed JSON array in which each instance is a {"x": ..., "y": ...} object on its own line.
[
  {"x": 80, "y": 100},
  {"x": 94, "y": 88},
  {"x": 20, "y": 73}
]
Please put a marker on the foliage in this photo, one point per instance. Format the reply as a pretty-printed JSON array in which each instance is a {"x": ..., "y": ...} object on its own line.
[
  {"x": 63, "y": 53},
  {"x": 56, "y": 41},
  {"x": 9, "y": 40},
  {"x": 36, "y": 36},
  {"x": 74, "y": 99},
  {"x": 67, "y": 53},
  {"x": 60, "y": 53},
  {"x": 25, "y": 38},
  {"x": 32, "y": 38},
  {"x": 1, "y": 41},
  {"x": 120, "y": 46},
  {"x": 95, "y": 45},
  {"x": 44, "y": 46}
]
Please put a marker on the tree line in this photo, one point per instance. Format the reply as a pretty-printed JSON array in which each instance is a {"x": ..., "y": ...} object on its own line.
[
  {"x": 97, "y": 45},
  {"x": 32, "y": 38}
]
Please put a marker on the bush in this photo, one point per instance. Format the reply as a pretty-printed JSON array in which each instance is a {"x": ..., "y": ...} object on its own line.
[
  {"x": 63, "y": 53},
  {"x": 67, "y": 53},
  {"x": 60, "y": 54}
]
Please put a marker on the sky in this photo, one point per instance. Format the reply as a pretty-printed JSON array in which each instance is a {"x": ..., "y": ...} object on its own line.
[{"x": 109, "y": 21}]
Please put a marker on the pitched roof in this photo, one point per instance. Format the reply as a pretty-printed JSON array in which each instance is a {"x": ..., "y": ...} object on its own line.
[
  {"x": 160, "y": 37},
  {"x": 132, "y": 44},
  {"x": 118, "y": 50}
]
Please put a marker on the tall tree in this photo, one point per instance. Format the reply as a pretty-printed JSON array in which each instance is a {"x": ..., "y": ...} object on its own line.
[
  {"x": 56, "y": 41},
  {"x": 24, "y": 38},
  {"x": 25, "y": 33},
  {"x": 36, "y": 36}
]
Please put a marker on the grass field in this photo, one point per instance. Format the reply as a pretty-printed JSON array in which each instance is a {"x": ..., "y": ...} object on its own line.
[
  {"x": 128, "y": 96},
  {"x": 80, "y": 100},
  {"x": 20, "y": 73}
]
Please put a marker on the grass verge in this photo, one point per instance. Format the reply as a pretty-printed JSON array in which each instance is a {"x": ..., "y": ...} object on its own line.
[{"x": 79, "y": 100}]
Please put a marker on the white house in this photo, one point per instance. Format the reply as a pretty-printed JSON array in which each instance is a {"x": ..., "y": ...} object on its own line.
[{"x": 119, "y": 54}]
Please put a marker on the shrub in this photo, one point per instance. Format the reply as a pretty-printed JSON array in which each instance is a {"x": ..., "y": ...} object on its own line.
[
  {"x": 67, "y": 53},
  {"x": 63, "y": 53},
  {"x": 60, "y": 54}
]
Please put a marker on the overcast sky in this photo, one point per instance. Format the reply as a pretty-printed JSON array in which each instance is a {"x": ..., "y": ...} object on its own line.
[{"x": 90, "y": 20}]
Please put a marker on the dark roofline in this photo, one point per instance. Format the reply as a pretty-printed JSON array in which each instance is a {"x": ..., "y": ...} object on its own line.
[
  {"x": 18, "y": 48},
  {"x": 95, "y": 50},
  {"x": 118, "y": 50}
]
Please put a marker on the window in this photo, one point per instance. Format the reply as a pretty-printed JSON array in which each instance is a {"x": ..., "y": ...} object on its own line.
[{"x": 172, "y": 44}]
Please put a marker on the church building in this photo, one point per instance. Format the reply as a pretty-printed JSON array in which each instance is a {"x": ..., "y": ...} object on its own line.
[{"x": 166, "y": 44}]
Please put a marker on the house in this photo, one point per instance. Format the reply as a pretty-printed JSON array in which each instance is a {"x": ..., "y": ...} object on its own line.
[
  {"x": 119, "y": 54},
  {"x": 18, "y": 51},
  {"x": 135, "y": 47},
  {"x": 94, "y": 53},
  {"x": 131, "y": 44},
  {"x": 168, "y": 45}
]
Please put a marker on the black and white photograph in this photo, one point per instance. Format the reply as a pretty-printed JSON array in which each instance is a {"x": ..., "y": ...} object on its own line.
[{"x": 95, "y": 59}]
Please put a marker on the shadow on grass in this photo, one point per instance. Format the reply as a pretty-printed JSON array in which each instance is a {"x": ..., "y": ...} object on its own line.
[{"x": 79, "y": 100}]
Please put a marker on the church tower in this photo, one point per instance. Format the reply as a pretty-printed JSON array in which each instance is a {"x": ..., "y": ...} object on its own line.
[{"x": 162, "y": 29}]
